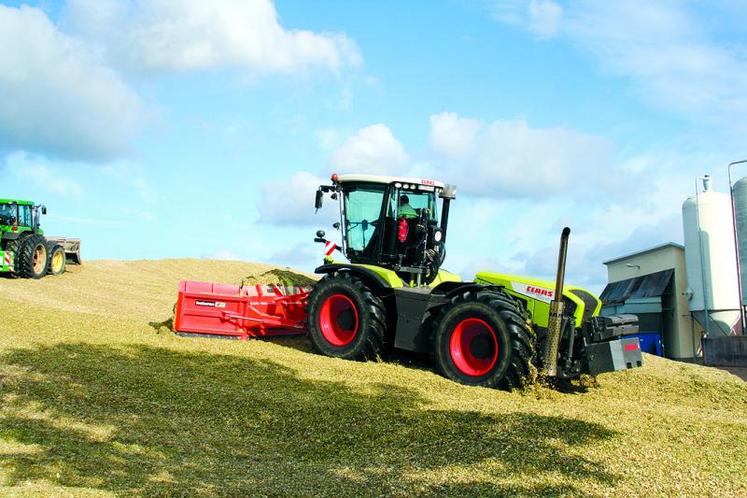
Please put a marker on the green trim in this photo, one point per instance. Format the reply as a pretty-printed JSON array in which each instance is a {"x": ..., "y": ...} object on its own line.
[
  {"x": 539, "y": 306},
  {"x": 390, "y": 277},
  {"x": 16, "y": 201},
  {"x": 445, "y": 276}
]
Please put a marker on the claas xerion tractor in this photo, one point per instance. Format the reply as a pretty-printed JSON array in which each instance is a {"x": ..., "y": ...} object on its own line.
[
  {"x": 495, "y": 331},
  {"x": 24, "y": 250}
]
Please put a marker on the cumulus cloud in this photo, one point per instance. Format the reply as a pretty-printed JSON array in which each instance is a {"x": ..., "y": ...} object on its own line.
[
  {"x": 373, "y": 149},
  {"x": 58, "y": 97},
  {"x": 541, "y": 17},
  {"x": 668, "y": 52},
  {"x": 452, "y": 135},
  {"x": 292, "y": 202},
  {"x": 42, "y": 176},
  {"x": 510, "y": 158},
  {"x": 198, "y": 34}
]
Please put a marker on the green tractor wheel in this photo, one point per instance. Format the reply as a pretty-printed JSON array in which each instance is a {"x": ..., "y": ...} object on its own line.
[
  {"x": 483, "y": 339},
  {"x": 32, "y": 257},
  {"x": 57, "y": 261},
  {"x": 345, "y": 319}
]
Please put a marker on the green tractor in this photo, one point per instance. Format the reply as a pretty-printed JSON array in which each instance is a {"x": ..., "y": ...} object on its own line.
[
  {"x": 495, "y": 331},
  {"x": 24, "y": 251}
]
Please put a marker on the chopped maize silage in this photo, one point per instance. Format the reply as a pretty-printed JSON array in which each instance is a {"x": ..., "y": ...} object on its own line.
[{"x": 95, "y": 403}]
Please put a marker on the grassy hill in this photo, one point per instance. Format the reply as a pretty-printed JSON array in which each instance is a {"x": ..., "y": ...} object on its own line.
[{"x": 97, "y": 399}]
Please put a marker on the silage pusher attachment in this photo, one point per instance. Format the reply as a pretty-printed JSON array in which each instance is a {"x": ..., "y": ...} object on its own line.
[{"x": 240, "y": 312}]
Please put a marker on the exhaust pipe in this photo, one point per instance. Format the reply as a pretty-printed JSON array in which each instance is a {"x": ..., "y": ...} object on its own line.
[{"x": 555, "y": 323}]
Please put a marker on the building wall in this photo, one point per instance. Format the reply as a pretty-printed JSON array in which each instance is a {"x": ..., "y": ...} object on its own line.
[{"x": 679, "y": 342}]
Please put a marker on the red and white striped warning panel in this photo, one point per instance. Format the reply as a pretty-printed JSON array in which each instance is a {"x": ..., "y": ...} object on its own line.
[
  {"x": 329, "y": 248},
  {"x": 7, "y": 260}
]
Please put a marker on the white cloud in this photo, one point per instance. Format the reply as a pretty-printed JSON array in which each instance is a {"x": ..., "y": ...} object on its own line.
[
  {"x": 544, "y": 17},
  {"x": 374, "y": 150},
  {"x": 130, "y": 176},
  {"x": 452, "y": 135},
  {"x": 58, "y": 97},
  {"x": 43, "y": 177},
  {"x": 198, "y": 34},
  {"x": 541, "y": 17},
  {"x": 509, "y": 158},
  {"x": 302, "y": 255},
  {"x": 292, "y": 202},
  {"x": 666, "y": 50}
]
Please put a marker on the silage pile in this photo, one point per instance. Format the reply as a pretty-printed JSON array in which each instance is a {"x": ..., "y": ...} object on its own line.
[{"x": 84, "y": 380}]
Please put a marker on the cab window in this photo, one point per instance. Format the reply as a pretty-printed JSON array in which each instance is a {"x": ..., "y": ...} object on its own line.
[
  {"x": 417, "y": 200},
  {"x": 25, "y": 216}
]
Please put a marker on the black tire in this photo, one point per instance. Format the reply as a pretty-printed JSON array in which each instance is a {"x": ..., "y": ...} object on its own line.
[
  {"x": 33, "y": 257},
  {"x": 345, "y": 319},
  {"x": 483, "y": 338},
  {"x": 57, "y": 259}
]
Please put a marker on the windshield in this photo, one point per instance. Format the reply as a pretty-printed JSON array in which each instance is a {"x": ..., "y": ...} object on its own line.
[
  {"x": 362, "y": 210},
  {"x": 7, "y": 214}
]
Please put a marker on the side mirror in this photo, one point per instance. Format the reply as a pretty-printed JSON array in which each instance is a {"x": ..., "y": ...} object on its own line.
[
  {"x": 320, "y": 234},
  {"x": 44, "y": 210},
  {"x": 319, "y": 199}
]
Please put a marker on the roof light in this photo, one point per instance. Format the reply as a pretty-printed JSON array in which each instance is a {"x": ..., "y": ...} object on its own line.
[
  {"x": 398, "y": 185},
  {"x": 335, "y": 178}
]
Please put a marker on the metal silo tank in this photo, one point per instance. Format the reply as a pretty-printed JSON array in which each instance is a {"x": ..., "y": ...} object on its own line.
[
  {"x": 740, "y": 210},
  {"x": 710, "y": 260}
]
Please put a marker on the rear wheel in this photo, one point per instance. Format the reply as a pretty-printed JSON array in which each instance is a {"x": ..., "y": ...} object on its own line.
[
  {"x": 57, "y": 261},
  {"x": 33, "y": 257},
  {"x": 345, "y": 319},
  {"x": 483, "y": 339}
]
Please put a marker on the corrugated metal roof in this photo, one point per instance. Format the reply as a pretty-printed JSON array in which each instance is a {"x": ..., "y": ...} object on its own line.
[
  {"x": 645, "y": 251},
  {"x": 651, "y": 285}
]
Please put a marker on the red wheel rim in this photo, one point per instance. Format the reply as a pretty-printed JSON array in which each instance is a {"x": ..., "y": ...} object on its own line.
[
  {"x": 474, "y": 347},
  {"x": 338, "y": 320}
]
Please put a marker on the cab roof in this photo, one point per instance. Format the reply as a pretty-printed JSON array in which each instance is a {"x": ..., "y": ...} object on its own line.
[
  {"x": 347, "y": 178},
  {"x": 16, "y": 201}
]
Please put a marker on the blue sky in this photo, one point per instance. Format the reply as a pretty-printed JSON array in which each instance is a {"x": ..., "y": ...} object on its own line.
[{"x": 183, "y": 128}]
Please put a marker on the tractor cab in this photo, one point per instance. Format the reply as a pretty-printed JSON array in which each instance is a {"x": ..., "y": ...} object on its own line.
[
  {"x": 393, "y": 222},
  {"x": 19, "y": 216}
]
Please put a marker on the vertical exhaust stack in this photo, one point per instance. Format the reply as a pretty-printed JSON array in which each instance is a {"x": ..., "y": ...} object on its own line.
[{"x": 555, "y": 323}]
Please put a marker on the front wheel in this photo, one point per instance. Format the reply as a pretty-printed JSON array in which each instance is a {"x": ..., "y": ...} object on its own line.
[
  {"x": 33, "y": 257},
  {"x": 482, "y": 339},
  {"x": 57, "y": 260},
  {"x": 345, "y": 319}
]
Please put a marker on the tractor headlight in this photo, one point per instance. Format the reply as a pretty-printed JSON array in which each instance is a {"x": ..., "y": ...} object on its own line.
[{"x": 438, "y": 235}]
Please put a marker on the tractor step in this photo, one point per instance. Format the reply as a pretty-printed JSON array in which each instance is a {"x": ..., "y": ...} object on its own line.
[{"x": 240, "y": 312}]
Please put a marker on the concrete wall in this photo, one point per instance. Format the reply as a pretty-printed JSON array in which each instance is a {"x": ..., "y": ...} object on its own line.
[
  {"x": 679, "y": 342},
  {"x": 725, "y": 351}
]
